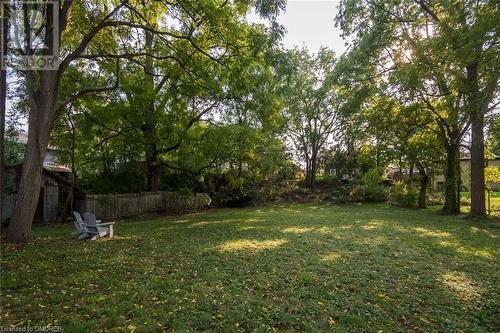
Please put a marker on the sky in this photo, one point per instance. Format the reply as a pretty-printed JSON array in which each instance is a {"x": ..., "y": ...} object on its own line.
[{"x": 310, "y": 23}]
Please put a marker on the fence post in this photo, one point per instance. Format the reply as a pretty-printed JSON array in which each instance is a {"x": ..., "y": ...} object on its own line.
[
  {"x": 195, "y": 201},
  {"x": 116, "y": 205},
  {"x": 140, "y": 202}
]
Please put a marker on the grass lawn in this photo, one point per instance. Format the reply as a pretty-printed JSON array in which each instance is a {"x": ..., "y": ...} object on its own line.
[
  {"x": 494, "y": 204},
  {"x": 340, "y": 268}
]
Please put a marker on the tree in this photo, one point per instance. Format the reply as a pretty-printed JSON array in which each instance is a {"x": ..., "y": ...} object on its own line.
[
  {"x": 310, "y": 105},
  {"x": 165, "y": 94},
  {"x": 3, "y": 96},
  {"x": 81, "y": 32},
  {"x": 441, "y": 55}
]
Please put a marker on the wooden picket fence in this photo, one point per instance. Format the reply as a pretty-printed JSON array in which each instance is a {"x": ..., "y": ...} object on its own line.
[{"x": 118, "y": 205}]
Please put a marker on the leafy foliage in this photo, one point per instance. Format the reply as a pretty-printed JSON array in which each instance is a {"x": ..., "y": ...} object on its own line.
[{"x": 404, "y": 195}]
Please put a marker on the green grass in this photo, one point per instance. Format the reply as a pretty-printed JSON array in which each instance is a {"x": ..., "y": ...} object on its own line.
[
  {"x": 494, "y": 204},
  {"x": 300, "y": 268},
  {"x": 494, "y": 194}
]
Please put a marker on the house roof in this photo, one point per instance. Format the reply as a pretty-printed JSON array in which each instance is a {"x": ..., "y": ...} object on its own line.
[
  {"x": 46, "y": 166},
  {"x": 50, "y": 162},
  {"x": 56, "y": 168}
]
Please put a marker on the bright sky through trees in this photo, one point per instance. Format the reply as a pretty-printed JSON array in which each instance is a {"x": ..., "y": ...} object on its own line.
[{"x": 310, "y": 23}]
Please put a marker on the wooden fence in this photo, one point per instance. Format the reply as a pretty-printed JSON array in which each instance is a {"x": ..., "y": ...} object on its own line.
[{"x": 109, "y": 206}]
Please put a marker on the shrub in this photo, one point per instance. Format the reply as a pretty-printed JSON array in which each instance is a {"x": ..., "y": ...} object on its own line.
[
  {"x": 464, "y": 201},
  {"x": 233, "y": 197},
  {"x": 376, "y": 193},
  {"x": 435, "y": 198},
  {"x": 373, "y": 177},
  {"x": 179, "y": 201},
  {"x": 203, "y": 200},
  {"x": 356, "y": 193},
  {"x": 186, "y": 195},
  {"x": 404, "y": 195},
  {"x": 328, "y": 181},
  {"x": 369, "y": 193},
  {"x": 237, "y": 192}
]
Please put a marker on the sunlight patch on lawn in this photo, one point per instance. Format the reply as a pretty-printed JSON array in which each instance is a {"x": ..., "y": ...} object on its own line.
[
  {"x": 181, "y": 221},
  {"x": 325, "y": 230},
  {"x": 251, "y": 228},
  {"x": 252, "y": 244},
  {"x": 203, "y": 223},
  {"x": 467, "y": 251},
  {"x": 253, "y": 220},
  {"x": 332, "y": 256},
  {"x": 297, "y": 230},
  {"x": 372, "y": 225},
  {"x": 476, "y": 230},
  {"x": 427, "y": 232},
  {"x": 461, "y": 285},
  {"x": 344, "y": 227},
  {"x": 122, "y": 238}
]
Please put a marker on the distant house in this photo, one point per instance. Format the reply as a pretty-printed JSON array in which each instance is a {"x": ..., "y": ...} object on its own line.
[
  {"x": 331, "y": 170},
  {"x": 56, "y": 181},
  {"x": 465, "y": 173}
]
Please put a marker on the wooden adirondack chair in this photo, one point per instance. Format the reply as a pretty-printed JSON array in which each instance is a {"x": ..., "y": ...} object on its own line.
[
  {"x": 79, "y": 226},
  {"x": 95, "y": 228}
]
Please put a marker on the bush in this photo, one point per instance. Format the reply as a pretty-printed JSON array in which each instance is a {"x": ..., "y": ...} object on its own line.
[
  {"x": 179, "y": 201},
  {"x": 376, "y": 193},
  {"x": 373, "y": 177},
  {"x": 404, "y": 195},
  {"x": 464, "y": 202},
  {"x": 233, "y": 197},
  {"x": 368, "y": 193},
  {"x": 435, "y": 198},
  {"x": 202, "y": 200},
  {"x": 327, "y": 181},
  {"x": 186, "y": 195}
]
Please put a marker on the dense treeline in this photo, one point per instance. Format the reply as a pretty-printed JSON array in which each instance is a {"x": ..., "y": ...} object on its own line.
[{"x": 154, "y": 95}]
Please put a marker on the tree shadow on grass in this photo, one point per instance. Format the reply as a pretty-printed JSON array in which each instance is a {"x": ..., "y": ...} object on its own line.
[{"x": 284, "y": 268}]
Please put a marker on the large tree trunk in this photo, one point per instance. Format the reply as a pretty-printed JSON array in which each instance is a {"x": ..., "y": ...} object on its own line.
[
  {"x": 42, "y": 89},
  {"x": 424, "y": 182},
  {"x": 3, "y": 102},
  {"x": 152, "y": 170},
  {"x": 69, "y": 198},
  {"x": 308, "y": 171},
  {"x": 151, "y": 151},
  {"x": 475, "y": 106},
  {"x": 452, "y": 176},
  {"x": 31, "y": 176},
  {"x": 314, "y": 166},
  {"x": 153, "y": 179},
  {"x": 311, "y": 166},
  {"x": 410, "y": 175},
  {"x": 478, "y": 205}
]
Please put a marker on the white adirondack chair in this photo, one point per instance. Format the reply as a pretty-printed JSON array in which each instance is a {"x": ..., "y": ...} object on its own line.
[
  {"x": 79, "y": 226},
  {"x": 95, "y": 228}
]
